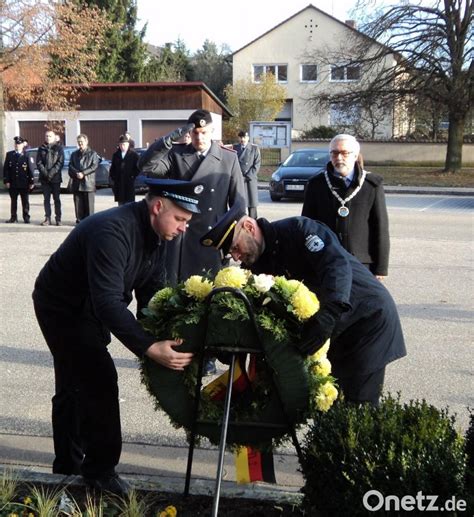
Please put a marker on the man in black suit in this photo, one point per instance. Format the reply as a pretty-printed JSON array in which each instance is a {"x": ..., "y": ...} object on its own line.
[
  {"x": 18, "y": 179},
  {"x": 351, "y": 201}
]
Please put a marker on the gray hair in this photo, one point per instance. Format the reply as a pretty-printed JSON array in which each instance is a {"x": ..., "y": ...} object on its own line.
[{"x": 353, "y": 142}]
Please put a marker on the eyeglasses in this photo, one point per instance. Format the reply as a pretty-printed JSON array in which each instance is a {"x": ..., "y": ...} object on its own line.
[{"x": 344, "y": 154}]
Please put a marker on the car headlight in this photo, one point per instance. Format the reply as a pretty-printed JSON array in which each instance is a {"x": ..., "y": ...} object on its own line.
[{"x": 276, "y": 177}]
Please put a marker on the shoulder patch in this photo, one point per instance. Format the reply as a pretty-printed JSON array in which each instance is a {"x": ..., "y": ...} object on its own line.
[{"x": 314, "y": 243}]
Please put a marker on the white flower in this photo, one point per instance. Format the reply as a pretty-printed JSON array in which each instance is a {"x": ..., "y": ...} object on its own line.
[{"x": 263, "y": 283}]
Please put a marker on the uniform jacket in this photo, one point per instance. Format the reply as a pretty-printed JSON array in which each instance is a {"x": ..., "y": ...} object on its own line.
[
  {"x": 368, "y": 335},
  {"x": 219, "y": 174},
  {"x": 16, "y": 170},
  {"x": 89, "y": 280},
  {"x": 87, "y": 163},
  {"x": 364, "y": 232},
  {"x": 249, "y": 160},
  {"x": 123, "y": 172},
  {"x": 50, "y": 161}
]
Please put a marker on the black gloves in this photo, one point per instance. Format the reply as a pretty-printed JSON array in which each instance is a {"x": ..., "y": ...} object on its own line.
[
  {"x": 177, "y": 134},
  {"x": 318, "y": 329}
]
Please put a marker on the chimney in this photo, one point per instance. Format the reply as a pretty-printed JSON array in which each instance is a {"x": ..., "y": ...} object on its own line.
[{"x": 351, "y": 23}]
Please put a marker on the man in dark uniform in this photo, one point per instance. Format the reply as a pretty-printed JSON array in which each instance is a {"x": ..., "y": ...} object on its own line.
[
  {"x": 18, "y": 179},
  {"x": 217, "y": 169},
  {"x": 357, "y": 312},
  {"x": 80, "y": 297},
  {"x": 249, "y": 161},
  {"x": 351, "y": 201}
]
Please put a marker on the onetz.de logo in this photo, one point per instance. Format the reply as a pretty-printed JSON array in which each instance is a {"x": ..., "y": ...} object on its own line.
[{"x": 374, "y": 501}]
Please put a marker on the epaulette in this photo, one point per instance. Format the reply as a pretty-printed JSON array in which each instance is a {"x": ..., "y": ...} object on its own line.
[{"x": 227, "y": 148}]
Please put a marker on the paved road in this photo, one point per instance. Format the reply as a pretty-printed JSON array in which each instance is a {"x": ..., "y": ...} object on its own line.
[{"x": 431, "y": 279}]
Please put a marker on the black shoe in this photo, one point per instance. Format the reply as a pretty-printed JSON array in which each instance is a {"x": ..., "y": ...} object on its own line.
[
  {"x": 12, "y": 220},
  {"x": 113, "y": 484},
  {"x": 58, "y": 223},
  {"x": 209, "y": 367},
  {"x": 26, "y": 221},
  {"x": 46, "y": 222}
]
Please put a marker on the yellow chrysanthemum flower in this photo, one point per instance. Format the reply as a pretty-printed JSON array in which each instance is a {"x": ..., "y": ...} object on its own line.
[
  {"x": 169, "y": 511},
  {"x": 159, "y": 297},
  {"x": 27, "y": 500},
  {"x": 198, "y": 287},
  {"x": 322, "y": 352},
  {"x": 304, "y": 302},
  {"x": 322, "y": 367},
  {"x": 231, "y": 276},
  {"x": 326, "y": 396}
]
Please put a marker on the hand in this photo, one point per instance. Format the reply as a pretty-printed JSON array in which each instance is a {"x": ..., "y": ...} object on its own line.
[
  {"x": 79, "y": 175},
  {"x": 7, "y": 185},
  {"x": 164, "y": 353},
  {"x": 177, "y": 134},
  {"x": 318, "y": 329}
]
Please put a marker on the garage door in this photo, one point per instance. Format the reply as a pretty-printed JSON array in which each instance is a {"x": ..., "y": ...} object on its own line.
[
  {"x": 34, "y": 130},
  {"x": 153, "y": 129},
  {"x": 103, "y": 135}
]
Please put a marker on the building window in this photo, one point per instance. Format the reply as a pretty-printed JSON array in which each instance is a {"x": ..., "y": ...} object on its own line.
[
  {"x": 308, "y": 73},
  {"x": 343, "y": 116},
  {"x": 279, "y": 71},
  {"x": 345, "y": 73}
]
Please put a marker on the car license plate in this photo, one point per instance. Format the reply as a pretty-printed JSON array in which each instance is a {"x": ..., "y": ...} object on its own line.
[{"x": 294, "y": 187}]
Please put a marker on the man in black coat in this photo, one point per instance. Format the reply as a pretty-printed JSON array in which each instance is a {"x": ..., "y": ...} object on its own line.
[
  {"x": 357, "y": 312},
  {"x": 351, "y": 201},
  {"x": 18, "y": 179},
  {"x": 50, "y": 161},
  {"x": 81, "y": 296},
  {"x": 123, "y": 171},
  {"x": 249, "y": 161}
]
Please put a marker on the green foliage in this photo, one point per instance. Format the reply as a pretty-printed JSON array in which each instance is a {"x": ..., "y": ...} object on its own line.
[
  {"x": 320, "y": 132},
  {"x": 170, "y": 63},
  {"x": 397, "y": 449},
  {"x": 469, "y": 448}
]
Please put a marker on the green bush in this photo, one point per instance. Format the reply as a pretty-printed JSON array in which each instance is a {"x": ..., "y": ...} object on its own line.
[
  {"x": 320, "y": 132},
  {"x": 469, "y": 448},
  {"x": 396, "y": 449}
]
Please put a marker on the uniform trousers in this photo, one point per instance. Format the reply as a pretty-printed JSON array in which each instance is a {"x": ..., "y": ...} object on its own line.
[
  {"x": 25, "y": 203},
  {"x": 54, "y": 189},
  {"x": 84, "y": 204},
  {"x": 85, "y": 407},
  {"x": 362, "y": 388}
]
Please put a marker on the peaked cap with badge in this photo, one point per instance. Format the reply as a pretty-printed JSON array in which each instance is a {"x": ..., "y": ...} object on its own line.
[
  {"x": 200, "y": 118},
  {"x": 222, "y": 233},
  {"x": 19, "y": 140},
  {"x": 182, "y": 193}
]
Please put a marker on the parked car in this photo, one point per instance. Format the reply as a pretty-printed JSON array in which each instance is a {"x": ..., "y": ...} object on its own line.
[
  {"x": 291, "y": 177},
  {"x": 101, "y": 175},
  {"x": 140, "y": 179}
]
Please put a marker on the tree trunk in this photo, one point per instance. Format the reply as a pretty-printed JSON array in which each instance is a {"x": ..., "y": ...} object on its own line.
[{"x": 455, "y": 140}]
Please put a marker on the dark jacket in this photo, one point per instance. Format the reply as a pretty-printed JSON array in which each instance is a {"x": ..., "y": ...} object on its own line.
[
  {"x": 249, "y": 161},
  {"x": 16, "y": 170},
  {"x": 50, "y": 161},
  {"x": 364, "y": 232},
  {"x": 86, "y": 162},
  {"x": 123, "y": 172},
  {"x": 369, "y": 335},
  {"x": 220, "y": 175},
  {"x": 89, "y": 280}
]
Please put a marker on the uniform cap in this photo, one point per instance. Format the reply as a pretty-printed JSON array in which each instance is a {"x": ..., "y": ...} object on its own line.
[
  {"x": 200, "y": 118},
  {"x": 123, "y": 138},
  {"x": 182, "y": 193},
  {"x": 243, "y": 133},
  {"x": 19, "y": 140},
  {"x": 220, "y": 236}
]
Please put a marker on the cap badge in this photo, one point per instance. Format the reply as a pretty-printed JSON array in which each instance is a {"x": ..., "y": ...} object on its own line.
[
  {"x": 198, "y": 189},
  {"x": 202, "y": 122},
  {"x": 207, "y": 242}
]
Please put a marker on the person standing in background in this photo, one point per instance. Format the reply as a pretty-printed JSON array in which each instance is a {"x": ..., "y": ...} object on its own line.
[
  {"x": 351, "y": 201},
  {"x": 249, "y": 161},
  {"x": 82, "y": 167},
  {"x": 123, "y": 171},
  {"x": 49, "y": 162},
  {"x": 18, "y": 179}
]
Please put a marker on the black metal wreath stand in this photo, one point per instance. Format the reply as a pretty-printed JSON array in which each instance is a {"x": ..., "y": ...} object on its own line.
[{"x": 235, "y": 353}]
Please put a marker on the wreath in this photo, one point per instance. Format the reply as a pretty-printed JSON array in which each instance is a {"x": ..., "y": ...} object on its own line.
[{"x": 279, "y": 308}]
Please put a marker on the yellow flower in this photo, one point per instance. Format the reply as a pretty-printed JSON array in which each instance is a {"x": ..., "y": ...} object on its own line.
[
  {"x": 169, "y": 511},
  {"x": 27, "y": 500},
  {"x": 322, "y": 367},
  {"x": 304, "y": 303},
  {"x": 231, "y": 276},
  {"x": 263, "y": 283},
  {"x": 159, "y": 298},
  {"x": 326, "y": 396},
  {"x": 198, "y": 287},
  {"x": 321, "y": 353}
]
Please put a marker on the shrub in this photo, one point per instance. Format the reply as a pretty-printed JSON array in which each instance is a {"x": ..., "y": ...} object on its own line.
[
  {"x": 469, "y": 448},
  {"x": 320, "y": 132},
  {"x": 395, "y": 449}
]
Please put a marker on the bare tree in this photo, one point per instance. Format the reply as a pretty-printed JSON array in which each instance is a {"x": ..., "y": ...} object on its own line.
[{"x": 431, "y": 48}]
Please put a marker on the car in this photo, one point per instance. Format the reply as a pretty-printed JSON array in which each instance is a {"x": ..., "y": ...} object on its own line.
[
  {"x": 101, "y": 175},
  {"x": 140, "y": 186},
  {"x": 291, "y": 177}
]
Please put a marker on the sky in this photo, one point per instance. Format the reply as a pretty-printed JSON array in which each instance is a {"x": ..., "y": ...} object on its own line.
[{"x": 235, "y": 23}]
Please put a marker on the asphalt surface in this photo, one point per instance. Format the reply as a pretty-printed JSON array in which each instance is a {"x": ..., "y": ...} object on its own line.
[{"x": 431, "y": 279}]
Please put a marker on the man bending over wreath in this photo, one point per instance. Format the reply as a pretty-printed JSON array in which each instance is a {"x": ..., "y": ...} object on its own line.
[
  {"x": 81, "y": 295},
  {"x": 357, "y": 312}
]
